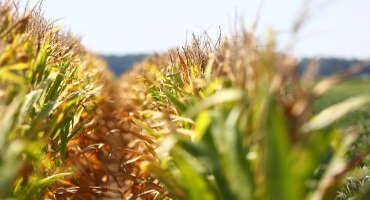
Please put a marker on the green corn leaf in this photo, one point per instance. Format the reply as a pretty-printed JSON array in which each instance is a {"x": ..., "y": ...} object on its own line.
[
  {"x": 11, "y": 77},
  {"x": 179, "y": 105},
  {"x": 51, "y": 179},
  {"x": 38, "y": 123},
  {"x": 279, "y": 179},
  {"x": 193, "y": 180},
  {"x": 57, "y": 84},
  {"x": 330, "y": 115},
  {"x": 7, "y": 120},
  {"x": 230, "y": 166},
  {"x": 36, "y": 188},
  {"x": 10, "y": 164},
  {"x": 202, "y": 122},
  {"x": 18, "y": 66},
  {"x": 28, "y": 103},
  {"x": 223, "y": 96},
  {"x": 40, "y": 64},
  {"x": 237, "y": 167}
]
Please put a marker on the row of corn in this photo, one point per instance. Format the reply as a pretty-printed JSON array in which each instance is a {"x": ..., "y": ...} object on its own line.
[
  {"x": 49, "y": 85},
  {"x": 232, "y": 120}
]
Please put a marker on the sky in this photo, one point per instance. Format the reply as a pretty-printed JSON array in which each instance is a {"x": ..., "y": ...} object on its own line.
[{"x": 334, "y": 27}]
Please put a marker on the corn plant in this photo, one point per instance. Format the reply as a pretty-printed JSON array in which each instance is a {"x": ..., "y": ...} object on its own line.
[
  {"x": 235, "y": 122},
  {"x": 47, "y": 84}
]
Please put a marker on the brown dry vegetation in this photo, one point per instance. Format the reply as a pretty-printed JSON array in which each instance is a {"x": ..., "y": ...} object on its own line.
[{"x": 107, "y": 154}]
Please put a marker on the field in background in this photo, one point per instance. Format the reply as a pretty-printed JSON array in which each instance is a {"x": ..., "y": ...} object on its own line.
[{"x": 343, "y": 91}]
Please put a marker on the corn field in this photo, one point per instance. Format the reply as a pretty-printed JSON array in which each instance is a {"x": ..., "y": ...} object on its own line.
[{"x": 212, "y": 120}]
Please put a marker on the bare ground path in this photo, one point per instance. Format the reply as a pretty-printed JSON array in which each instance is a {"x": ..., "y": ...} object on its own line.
[{"x": 109, "y": 156}]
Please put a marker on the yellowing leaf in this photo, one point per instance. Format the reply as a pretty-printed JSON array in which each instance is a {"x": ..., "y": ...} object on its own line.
[{"x": 202, "y": 122}]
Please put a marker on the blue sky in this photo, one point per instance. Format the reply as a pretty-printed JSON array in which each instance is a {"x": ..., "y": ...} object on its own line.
[{"x": 335, "y": 28}]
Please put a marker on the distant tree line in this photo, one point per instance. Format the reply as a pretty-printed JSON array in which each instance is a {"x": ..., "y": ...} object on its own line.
[
  {"x": 327, "y": 65},
  {"x": 332, "y": 65},
  {"x": 122, "y": 63}
]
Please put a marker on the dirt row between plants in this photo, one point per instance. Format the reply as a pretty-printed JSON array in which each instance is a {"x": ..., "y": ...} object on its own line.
[{"x": 109, "y": 155}]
